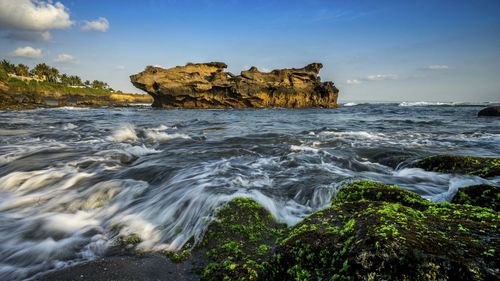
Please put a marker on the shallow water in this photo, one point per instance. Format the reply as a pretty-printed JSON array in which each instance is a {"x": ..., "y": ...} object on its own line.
[{"x": 72, "y": 180}]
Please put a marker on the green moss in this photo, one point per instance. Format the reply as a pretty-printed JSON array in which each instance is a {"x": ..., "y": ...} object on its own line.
[
  {"x": 239, "y": 242},
  {"x": 374, "y": 191},
  {"x": 475, "y": 166},
  {"x": 483, "y": 195},
  {"x": 178, "y": 257},
  {"x": 371, "y": 231},
  {"x": 374, "y": 232},
  {"x": 133, "y": 239}
]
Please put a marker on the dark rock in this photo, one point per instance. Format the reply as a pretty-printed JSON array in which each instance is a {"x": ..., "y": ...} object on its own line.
[
  {"x": 470, "y": 165},
  {"x": 206, "y": 85},
  {"x": 493, "y": 110},
  {"x": 150, "y": 267},
  {"x": 482, "y": 195}
]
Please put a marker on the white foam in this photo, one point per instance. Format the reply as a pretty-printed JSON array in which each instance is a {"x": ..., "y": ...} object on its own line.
[
  {"x": 157, "y": 136},
  {"x": 350, "y": 104},
  {"x": 125, "y": 132},
  {"x": 425, "y": 103},
  {"x": 298, "y": 148},
  {"x": 357, "y": 134},
  {"x": 69, "y": 126},
  {"x": 141, "y": 150}
]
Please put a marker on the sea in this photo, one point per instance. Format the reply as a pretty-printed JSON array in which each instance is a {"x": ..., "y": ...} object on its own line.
[{"x": 74, "y": 180}]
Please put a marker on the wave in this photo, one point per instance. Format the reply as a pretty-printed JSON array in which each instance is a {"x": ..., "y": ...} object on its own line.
[
  {"x": 129, "y": 133},
  {"x": 355, "y": 134},
  {"x": 427, "y": 103},
  {"x": 350, "y": 104},
  {"x": 125, "y": 132},
  {"x": 299, "y": 148}
]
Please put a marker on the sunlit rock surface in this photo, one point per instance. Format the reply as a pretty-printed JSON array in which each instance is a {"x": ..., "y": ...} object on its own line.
[{"x": 207, "y": 85}]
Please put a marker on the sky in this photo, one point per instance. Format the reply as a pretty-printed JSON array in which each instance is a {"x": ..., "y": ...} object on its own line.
[{"x": 428, "y": 50}]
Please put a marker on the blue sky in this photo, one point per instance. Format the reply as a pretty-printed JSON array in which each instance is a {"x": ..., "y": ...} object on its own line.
[{"x": 372, "y": 50}]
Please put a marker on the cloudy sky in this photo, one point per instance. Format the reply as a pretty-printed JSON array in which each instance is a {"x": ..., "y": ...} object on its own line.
[{"x": 421, "y": 50}]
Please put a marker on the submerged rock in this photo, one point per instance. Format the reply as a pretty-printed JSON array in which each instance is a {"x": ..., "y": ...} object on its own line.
[
  {"x": 490, "y": 111},
  {"x": 470, "y": 165},
  {"x": 207, "y": 85},
  {"x": 482, "y": 195}
]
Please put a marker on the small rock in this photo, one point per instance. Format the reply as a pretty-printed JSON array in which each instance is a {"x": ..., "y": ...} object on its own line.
[{"x": 493, "y": 110}]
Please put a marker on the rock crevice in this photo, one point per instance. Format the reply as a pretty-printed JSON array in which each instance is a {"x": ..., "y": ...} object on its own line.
[{"x": 208, "y": 85}]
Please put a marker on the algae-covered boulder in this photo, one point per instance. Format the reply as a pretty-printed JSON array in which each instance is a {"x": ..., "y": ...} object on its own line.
[
  {"x": 377, "y": 232},
  {"x": 470, "y": 165},
  {"x": 482, "y": 195},
  {"x": 239, "y": 242}
]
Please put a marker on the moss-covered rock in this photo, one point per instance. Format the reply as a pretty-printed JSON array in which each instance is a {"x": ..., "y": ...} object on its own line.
[
  {"x": 483, "y": 195},
  {"x": 239, "y": 242},
  {"x": 377, "y": 232},
  {"x": 475, "y": 166}
]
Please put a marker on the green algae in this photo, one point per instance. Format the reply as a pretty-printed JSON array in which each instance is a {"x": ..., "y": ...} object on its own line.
[
  {"x": 239, "y": 242},
  {"x": 483, "y": 195},
  {"x": 371, "y": 231},
  {"x": 456, "y": 164},
  {"x": 378, "y": 232}
]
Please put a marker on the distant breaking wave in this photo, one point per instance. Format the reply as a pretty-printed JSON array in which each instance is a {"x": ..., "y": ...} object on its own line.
[{"x": 427, "y": 103}]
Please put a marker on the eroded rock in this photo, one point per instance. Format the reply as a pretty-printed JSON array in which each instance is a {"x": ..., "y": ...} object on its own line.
[{"x": 207, "y": 85}]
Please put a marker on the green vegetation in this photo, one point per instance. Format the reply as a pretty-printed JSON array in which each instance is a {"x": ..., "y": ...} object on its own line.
[
  {"x": 22, "y": 88},
  {"x": 371, "y": 231},
  {"x": 45, "y": 73},
  {"x": 239, "y": 243},
  {"x": 483, "y": 195},
  {"x": 470, "y": 165}
]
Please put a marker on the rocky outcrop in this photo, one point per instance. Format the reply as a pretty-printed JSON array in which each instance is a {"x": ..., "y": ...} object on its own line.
[
  {"x": 207, "y": 85},
  {"x": 490, "y": 111},
  {"x": 485, "y": 167}
]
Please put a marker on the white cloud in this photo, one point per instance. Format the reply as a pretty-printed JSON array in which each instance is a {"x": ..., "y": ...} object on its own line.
[
  {"x": 27, "y": 52},
  {"x": 101, "y": 24},
  {"x": 382, "y": 77},
  {"x": 33, "y": 15},
  {"x": 437, "y": 67},
  {"x": 353, "y": 81},
  {"x": 370, "y": 78},
  {"x": 65, "y": 58},
  {"x": 120, "y": 67}
]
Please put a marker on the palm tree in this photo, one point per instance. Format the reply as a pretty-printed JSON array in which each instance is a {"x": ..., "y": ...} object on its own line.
[
  {"x": 22, "y": 70},
  {"x": 65, "y": 79},
  {"x": 41, "y": 70},
  {"x": 9, "y": 67},
  {"x": 52, "y": 74},
  {"x": 75, "y": 80}
]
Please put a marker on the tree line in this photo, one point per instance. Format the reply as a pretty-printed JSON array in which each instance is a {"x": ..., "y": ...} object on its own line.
[{"x": 51, "y": 74}]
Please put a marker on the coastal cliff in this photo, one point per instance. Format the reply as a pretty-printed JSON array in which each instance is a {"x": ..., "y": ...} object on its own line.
[{"x": 207, "y": 85}]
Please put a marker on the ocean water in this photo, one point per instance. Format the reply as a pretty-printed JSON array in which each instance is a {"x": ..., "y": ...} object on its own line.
[{"x": 72, "y": 180}]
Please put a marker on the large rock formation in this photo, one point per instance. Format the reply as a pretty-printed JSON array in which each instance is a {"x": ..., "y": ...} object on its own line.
[{"x": 207, "y": 85}]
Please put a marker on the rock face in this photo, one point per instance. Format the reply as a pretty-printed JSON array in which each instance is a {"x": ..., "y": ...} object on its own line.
[
  {"x": 490, "y": 111},
  {"x": 207, "y": 85}
]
